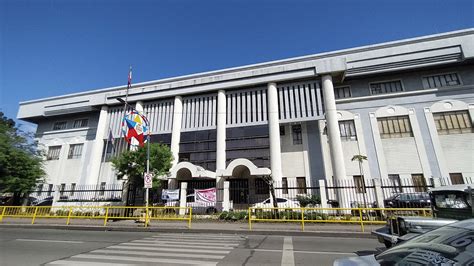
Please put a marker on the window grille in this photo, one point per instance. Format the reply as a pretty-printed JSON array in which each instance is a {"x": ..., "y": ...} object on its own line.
[
  {"x": 394, "y": 127},
  {"x": 442, "y": 80},
  {"x": 457, "y": 122},
  {"x": 75, "y": 151},
  {"x": 342, "y": 92},
  {"x": 347, "y": 129},
  {"x": 396, "y": 182},
  {"x": 80, "y": 123},
  {"x": 261, "y": 186},
  {"x": 386, "y": 87},
  {"x": 297, "y": 137},
  {"x": 60, "y": 125},
  {"x": 102, "y": 189},
  {"x": 53, "y": 153}
]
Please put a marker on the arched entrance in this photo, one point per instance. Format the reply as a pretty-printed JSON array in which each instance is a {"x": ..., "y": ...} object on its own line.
[
  {"x": 246, "y": 185},
  {"x": 196, "y": 177}
]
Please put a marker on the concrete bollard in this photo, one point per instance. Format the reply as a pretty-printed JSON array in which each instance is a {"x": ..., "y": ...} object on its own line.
[{"x": 183, "y": 198}]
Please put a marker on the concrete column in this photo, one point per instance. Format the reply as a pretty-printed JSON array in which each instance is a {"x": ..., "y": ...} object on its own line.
[
  {"x": 183, "y": 198},
  {"x": 221, "y": 130},
  {"x": 335, "y": 145},
  {"x": 322, "y": 192},
  {"x": 176, "y": 131},
  {"x": 274, "y": 131},
  {"x": 226, "y": 202},
  {"x": 436, "y": 182},
  {"x": 97, "y": 148},
  {"x": 378, "y": 192}
]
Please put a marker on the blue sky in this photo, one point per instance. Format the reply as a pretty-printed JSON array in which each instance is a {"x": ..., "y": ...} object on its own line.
[{"x": 53, "y": 47}]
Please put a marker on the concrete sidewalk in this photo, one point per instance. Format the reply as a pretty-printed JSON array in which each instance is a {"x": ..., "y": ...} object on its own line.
[{"x": 200, "y": 226}]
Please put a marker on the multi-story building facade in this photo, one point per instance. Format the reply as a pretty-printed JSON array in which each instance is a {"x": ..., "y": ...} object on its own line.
[{"x": 407, "y": 105}]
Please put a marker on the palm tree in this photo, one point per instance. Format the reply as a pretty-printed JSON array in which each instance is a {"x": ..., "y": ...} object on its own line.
[{"x": 360, "y": 159}]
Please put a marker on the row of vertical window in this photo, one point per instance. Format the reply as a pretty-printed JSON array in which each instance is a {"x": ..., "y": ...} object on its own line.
[
  {"x": 75, "y": 152},
  {"x": 78, "y": 123},
  {"x": 393, "y": 86}
]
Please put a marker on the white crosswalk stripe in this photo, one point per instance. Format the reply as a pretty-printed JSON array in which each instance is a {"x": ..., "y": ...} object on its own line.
[{"x": 161, "y": 249}]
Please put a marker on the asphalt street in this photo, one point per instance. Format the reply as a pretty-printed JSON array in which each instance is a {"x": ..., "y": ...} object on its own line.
[{"x": 20, "y": 246}]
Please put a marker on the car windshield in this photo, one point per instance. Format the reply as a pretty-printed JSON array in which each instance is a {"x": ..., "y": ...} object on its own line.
[
  {"x": 451, "y": 200},
  {"x": 447, "y": 245}
]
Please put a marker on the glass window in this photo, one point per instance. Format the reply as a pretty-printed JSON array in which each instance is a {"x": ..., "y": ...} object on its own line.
[
  {"x": 102, "y": 189},
  {"x": 451, "y": 201},
  {"x": 347, "y": 129},
  {"x": 342, "y": 92},
  {"x": 301, "y": 183},
  {"x": 458, "y": 122},
  {"x": 386, "y": 87},
  {"x": 39, "y": 190},
  {"x": 53, "y": 153},
  {"x": 60, "y": 125},
  {"x": 396, "y": 183},
  {"x": 297, "y": 137},
  {"x": 61, "y": 190},
  {"x": 282, "y": 130},
  {"x": 261, "y": 186},
  {"x": 419, "y": 182},
  {"x": 75, "y": 151},
  {"x": 80, "y": 123},
  {"x": 442, "y": 80},
  {"x": 50, "y": 189},
  {"x": 456, "y": 178},
  {"x": 280, "y": 200},
  {"x": 359, "y": 184},
  {"x": 394, "y": 127},
  {"x": 284, "y": 184},
  {"x": 73, "y": 188}
]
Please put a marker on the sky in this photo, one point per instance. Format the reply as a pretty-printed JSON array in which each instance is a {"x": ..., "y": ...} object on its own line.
[{"x": 55, "y": 47}]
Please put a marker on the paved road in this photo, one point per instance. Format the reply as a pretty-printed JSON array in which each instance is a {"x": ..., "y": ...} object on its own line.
[{"x": 64, "y": 247}]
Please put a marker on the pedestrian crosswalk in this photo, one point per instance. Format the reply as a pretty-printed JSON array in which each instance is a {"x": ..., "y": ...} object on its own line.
[{"x": 161, "y": 249}]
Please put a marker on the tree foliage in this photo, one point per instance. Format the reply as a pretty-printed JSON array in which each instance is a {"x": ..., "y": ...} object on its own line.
[
  {"x": 132, "y": 164},
  {"x": 21, "y": 166}
]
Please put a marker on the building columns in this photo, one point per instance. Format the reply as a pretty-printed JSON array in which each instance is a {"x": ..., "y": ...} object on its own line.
[
  {"x": 274, "y": 132},
  {"x": 335, "y": 145},
  {"x": 97, "y": 148},
  {"x": 221, "y": 131},
  {"x": 176, "y": 136}
]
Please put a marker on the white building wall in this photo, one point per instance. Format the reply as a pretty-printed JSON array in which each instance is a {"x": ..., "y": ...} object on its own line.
[
  {"x": 401, "y": 156},
  {"x": 458, "y": 151}
]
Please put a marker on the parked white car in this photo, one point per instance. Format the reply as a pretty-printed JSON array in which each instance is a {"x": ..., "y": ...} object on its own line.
[
  {"x": 281, "y": 202},
  {"x": 199, "y": 207}
]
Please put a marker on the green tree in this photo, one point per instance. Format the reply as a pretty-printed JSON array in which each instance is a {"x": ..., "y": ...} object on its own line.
[
  {"x": 132, "y": 164},
  {"x": 21, "y": 166}
]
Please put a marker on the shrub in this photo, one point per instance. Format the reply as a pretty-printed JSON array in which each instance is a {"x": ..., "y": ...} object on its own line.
[
  {"x": 233, "y": 216},
  {"x": 306, "y": 200}
]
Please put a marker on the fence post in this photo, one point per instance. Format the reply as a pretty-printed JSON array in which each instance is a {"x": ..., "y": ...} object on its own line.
[
  {"x": 190, "y": 217},
  {"x": 378, "y": 192},
  {"x": 146, "y": 216},
  {"x": 106, "y": 216},
  {"x": 3, "y": 213},
  {"x": 182, "y": 199},
  {"x": 302, "y": 219},
  {"x": 436, "y": 182},
  {"x": 69, "y": 216},
  {"x": 250, "y": 218},
  {"x": 34, "y": 216},
  {"x": 322, "y": 192},
  {"x": 226, "y": 198},
  {"x": 361, "y": 220}
]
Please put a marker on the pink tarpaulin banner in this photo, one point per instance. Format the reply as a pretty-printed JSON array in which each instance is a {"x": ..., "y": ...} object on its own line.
[{"x": 206, "y": 195}]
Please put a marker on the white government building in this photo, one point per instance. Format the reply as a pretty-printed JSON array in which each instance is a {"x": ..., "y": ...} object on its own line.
[{"x": 407, "y": 105}]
